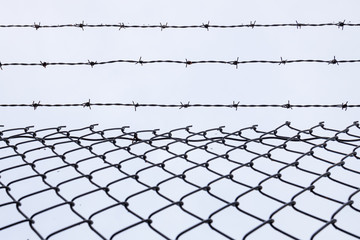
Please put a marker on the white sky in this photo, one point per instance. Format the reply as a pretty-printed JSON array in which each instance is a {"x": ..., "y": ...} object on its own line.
[
  {"x": 304, "y": 83},
  {"x": 166, "y": 83}
]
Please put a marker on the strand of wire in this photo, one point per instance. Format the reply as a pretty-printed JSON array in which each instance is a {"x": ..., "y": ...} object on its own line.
[
  {"x": 207, "y": 26},
  {"x": 185, "y": 62},
  {"x": 235, "y": 105}
]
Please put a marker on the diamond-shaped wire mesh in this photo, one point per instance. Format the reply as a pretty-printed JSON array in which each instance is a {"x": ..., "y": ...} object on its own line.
[{"x": 183, "y": 184}]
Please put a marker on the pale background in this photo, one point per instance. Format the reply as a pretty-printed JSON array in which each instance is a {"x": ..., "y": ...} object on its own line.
[
  {"x": 303, "y": 83},
  {"x": 171, "y": 83}
]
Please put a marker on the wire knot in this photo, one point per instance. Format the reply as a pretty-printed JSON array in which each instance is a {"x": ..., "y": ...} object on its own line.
[
  {"x": 235, "y": 105},
  {"x": 287, "y": 105},
  {"x": 140, "y": 61},
  {"x": 80, "y": 25},
  {"x": 236, "y": 63},
  {"x": 207, "y": 25},
  {"x": 135, "y": 105},
  {"x": 298, "y": 25},
  {"x": 35, "y": 105},
  {"x": 187, "y": 62},
  {"x": 344, "y": 106},
  {"x": 252, "y": 25},
  {"x": 341, "y": 25},
  {"x": 334, "y": 61},
  {"x": 87, "y": 104},
  {"x": 92, "y": 63},
  {"x": 282, "y": 61},
  {"x": 121, "y": 25},
  {"x": 44, "y": 64},
  {"x": 163, "y": 26},
  {"x": 186, "y": 105},
  {"x": 37, "y": 26},
  {"x": 135, "y": 138}
]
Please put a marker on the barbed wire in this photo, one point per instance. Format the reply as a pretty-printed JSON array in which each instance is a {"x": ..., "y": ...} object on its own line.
[
  {"x": 181, "y": 105},
  {"x": 207, "y": 26},
  {"x": 185, "y": 62},
  {"x": 95, "y": 179}
]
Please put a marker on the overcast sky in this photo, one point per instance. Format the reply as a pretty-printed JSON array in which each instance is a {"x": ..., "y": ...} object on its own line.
[
  {"x": 304, "y": 83},
  {"x": 300, "y": 83}
]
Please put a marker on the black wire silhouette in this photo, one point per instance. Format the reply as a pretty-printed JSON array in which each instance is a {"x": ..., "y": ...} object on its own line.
[{"x": 22, "y": 149}]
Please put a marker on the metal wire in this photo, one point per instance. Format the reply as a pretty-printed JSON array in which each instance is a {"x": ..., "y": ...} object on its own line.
[
  {"x": 252, "y": 24},
  {"x": 234, "y": 105},
  {"x": 226, "y": 156},
  {"x": 187, "y": 62}
]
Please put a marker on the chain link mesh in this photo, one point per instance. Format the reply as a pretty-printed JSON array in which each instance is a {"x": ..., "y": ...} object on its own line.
[{"x": 115, "y": 183}]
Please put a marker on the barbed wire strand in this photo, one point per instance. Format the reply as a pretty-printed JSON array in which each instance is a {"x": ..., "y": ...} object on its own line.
[
  {"x": 187, "y": 62},
  {"x": 181, "y": 105},
  {"x": 207, "y": 26}
]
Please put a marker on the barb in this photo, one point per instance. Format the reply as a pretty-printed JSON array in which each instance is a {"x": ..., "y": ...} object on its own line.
[
  {"x": 287, "y": 105},
  {"x": 185, "y": 62},
  {"x": 343, "y": 106},
  {"x": 207, "y": 26},
  {"x": 87, "y": 104},
  {"x": 35, "y": 105}
]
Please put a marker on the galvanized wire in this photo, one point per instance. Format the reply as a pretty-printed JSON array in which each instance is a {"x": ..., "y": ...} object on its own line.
[
  {"x": 181, "y": 105},
  {"x": 185, "y": 62},
  {"x": 151, "y": 150},
  {"x": 252, "y": 24}
]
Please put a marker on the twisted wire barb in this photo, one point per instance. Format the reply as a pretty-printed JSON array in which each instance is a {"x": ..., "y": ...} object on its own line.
[
  {"x": 162, "y": 26},
  {"x": 185, "y": 62},
  {"x": 181, "y": 105}
]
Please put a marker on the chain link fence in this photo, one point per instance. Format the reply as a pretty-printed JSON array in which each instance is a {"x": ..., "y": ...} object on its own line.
[{"x": 116, "y": 183}]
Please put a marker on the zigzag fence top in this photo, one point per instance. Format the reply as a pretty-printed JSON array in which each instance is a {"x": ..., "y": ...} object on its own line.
[{"x": 116, "y": 183}]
